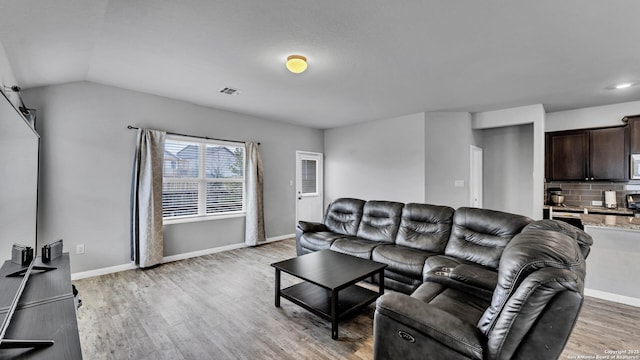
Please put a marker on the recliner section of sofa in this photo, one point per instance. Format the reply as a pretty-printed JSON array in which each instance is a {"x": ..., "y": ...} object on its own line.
[
  {"x": 379, "y": 225},
  {"x": 341, "y": 219},
  {"x": 472, "y": 254},
  {"x": 538, "y": 296},
  {"x": 480, "y": 235},
  {"x": 423, "y": 232}
]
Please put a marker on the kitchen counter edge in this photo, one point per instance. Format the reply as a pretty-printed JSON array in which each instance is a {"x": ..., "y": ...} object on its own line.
[
  {"x": 590, "y": 209},
  {"x": 611, "y": 221}
]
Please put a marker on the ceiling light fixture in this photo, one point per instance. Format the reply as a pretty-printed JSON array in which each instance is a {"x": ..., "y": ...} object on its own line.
[
  {"x": 296, "y": 63},
  {"x": 624, "y": 85}
]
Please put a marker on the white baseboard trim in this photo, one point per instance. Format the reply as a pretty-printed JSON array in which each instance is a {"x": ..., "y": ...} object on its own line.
[
  {"x": 102, "y": 271},
  {"x": 281, "y": 237},
  {"x": 627, "y": 300},
  {"x": 189, "y": 255},
  {"x": 166, "y": 259}
]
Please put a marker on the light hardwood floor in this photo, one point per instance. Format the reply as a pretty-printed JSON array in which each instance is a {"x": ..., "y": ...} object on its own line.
[{"x": 221, "y": 306}]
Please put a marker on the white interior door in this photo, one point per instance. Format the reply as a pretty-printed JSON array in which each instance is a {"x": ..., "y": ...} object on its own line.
[
  {"x": 475, "y": 177},
  {"x": 309, "y": 186}
]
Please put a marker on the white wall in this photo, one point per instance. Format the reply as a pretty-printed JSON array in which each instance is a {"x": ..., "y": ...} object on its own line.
[
  {"x": 87, "y": 158},
  {"x": 377, "y": 160},
  {"x": 508, "y": 153},
  {"x": 590, "y": 117},
  {"x": 7, "y": 77},
  {"x": 448, "y": 136},
  {"x": 516, "y": 157}
]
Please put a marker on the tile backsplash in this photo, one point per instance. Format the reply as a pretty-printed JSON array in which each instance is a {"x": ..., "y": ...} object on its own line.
[{"x": 582, "y": 193}]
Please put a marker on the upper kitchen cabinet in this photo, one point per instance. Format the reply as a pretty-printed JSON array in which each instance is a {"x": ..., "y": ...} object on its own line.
[
  {"x": 609, "y": 154},
  {"x": 634, "y": 134},
  {"x": 588, "y": 155},
  {"x": 567, "y": 155}
]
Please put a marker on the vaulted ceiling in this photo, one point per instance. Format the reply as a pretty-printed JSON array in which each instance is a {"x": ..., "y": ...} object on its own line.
[{"x": 368, "y": 59}]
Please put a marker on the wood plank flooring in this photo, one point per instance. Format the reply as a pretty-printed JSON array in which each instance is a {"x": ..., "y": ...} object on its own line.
[{"x": 221, "y": 306}]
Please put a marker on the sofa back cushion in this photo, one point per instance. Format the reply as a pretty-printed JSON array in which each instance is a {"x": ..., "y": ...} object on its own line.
[
  {"x": 583, "y": 239},
  {"x": 380, "y": 221},
  {"x": 343, "y": 216},
  {"x": 425, "y": 227},
  {"x": 480, "y": 235}
]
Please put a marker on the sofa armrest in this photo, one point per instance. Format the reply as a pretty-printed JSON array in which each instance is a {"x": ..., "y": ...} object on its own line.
[
  {"x": 307, "y": 226},
  {"x": 470, "y": 278},
  {"x": 441, "y": 326}
]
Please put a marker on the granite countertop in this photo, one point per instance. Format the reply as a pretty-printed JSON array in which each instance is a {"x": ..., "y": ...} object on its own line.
[
  {"x": 611, "y": 221},
  {"x": 591, "y": 209}
]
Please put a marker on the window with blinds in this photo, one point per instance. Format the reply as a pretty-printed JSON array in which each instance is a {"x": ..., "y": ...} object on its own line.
[
  {"x": 202, "y": 178},
  {"x": 308, "y": 175}
]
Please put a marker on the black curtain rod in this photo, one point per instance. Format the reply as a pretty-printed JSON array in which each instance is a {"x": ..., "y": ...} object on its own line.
[{"x": 193, "y": 136}]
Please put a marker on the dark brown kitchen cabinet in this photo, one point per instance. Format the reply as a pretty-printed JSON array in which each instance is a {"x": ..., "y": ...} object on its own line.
[
  {"x": 567, "y": 155},
  {"x": 588, "y": 155},
  {"x": 609, "y": 153},
  {"x": 634, "y": 134}
]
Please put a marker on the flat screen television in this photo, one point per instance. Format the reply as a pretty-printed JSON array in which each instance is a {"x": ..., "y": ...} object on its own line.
[{"x": 19, "y": 149}]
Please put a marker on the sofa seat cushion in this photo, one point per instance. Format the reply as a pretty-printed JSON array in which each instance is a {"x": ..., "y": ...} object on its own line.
[
  {"x": 460, "y": 304},
  {"x": 401, "y": 260},
  {"x": 354, "y": 246},
  {"x": 434, "y": 333},
  {"x": 319, "y": 240},
  {"x": 400, "y": 283}
]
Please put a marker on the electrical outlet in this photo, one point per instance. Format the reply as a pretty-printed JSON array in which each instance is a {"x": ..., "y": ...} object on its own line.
[
  {"x": 596, "y": 203},
  {"x": 80, "y": 249},
  {"x": 458, "y": 183}
]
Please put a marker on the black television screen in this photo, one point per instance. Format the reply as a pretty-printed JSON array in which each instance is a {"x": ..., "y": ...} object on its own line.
[{"x": 19, "y": 144}]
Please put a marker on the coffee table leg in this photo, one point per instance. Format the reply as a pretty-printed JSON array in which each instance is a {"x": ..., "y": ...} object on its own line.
[
  {"x": 334, "y": 314},
  {"x": 381, "y": 283},
  {"x": 277, "y": 288}
]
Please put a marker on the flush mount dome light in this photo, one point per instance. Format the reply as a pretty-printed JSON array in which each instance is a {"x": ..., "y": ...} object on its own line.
[
  {"x": 623, "y": 85},
  {"x": 296, "y": 63}
]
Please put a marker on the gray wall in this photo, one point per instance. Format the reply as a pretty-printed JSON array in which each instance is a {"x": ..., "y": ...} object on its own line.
[
  {"x": 448, "y": 136},
  {"x": 597, "y": 116},
  {"x": 529, "y": 173},
  {"x": 7, "y": 78},
  {"x": 377, "y": 160},
  {"x": 508, "y": 163},
  {"x": 86, "y": 164},
  {"x": 613, "y": 280}
]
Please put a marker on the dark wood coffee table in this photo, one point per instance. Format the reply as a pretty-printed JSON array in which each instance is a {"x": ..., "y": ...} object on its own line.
[{"x": 329, "y": 288}]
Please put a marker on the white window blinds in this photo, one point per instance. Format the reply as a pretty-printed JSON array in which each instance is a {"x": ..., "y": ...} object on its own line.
[{"x": 202, "y": 178}]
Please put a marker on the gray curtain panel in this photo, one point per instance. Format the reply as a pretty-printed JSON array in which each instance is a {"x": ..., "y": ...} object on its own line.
[
  {"x": 146, "y": 199},
  {"x": 254, "y": 232}
]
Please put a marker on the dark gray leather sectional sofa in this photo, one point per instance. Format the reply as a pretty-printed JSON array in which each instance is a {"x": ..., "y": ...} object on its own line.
[{"x": 483, "y": 284}]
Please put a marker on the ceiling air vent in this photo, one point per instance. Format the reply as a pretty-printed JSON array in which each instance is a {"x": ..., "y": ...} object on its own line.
[{"x": 230, "y": 91}]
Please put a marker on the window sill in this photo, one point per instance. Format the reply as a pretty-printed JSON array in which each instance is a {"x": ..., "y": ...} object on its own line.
[{"x": 197, "y": 218}]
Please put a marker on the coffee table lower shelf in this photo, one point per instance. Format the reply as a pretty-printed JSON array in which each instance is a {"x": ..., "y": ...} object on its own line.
[{"x": 317, "y": 300}]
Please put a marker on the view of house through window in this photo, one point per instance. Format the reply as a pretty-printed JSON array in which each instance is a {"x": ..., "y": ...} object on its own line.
[{"x": 202, "y": 177}]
